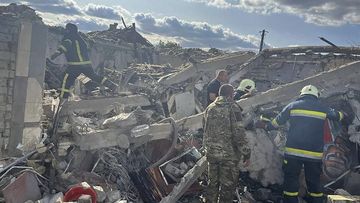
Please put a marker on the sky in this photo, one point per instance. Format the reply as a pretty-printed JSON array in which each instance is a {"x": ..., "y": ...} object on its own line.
[{"x": 225, "y": 24}]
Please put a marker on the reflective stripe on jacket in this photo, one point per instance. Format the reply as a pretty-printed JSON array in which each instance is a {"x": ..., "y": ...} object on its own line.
[
  {"x": 75, "y": 50},
  {"x": 306, "y": 116}
]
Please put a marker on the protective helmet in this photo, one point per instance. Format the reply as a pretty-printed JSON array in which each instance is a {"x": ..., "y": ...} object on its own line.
[
  {"x": 71, "y": 27},
  {"x": 246, "y": 85},
  {"x": 310, "y": 90}
]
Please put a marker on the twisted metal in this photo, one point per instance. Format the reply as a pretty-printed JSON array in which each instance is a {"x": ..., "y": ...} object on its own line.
[{"x": 115, "y": 162}]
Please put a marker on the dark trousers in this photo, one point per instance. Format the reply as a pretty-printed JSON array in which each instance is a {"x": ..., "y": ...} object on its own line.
[
  {"x": 292, "y": 168},
  {"x": 73, "y": 71}
]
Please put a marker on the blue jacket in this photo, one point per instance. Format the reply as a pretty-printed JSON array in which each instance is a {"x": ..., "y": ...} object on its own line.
[{"x": 307, "y": 117}]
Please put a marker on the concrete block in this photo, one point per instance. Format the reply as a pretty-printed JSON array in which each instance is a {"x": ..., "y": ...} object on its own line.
[
  {"x": 4, "y": 64},
  {"x": 7, "y": 55},
  {"x": 31, "y": 137},
  {"x": 24, "y": 41},
  {"x": 11, "y": 73},
  {"x": 103, "y": 105},
  {"x": 122, "y": 120},
  {"x": 4, "y": 46},
  {"x": 6, "y": 37},
  {"x": 9, "y": 98},
  {"x": 22, "y": 63},
  {"x": 3, "y": 82},
  {"x": 4, "y": 73},
  {"x": 183, "y": 103},
  {"x": 2, "y": 98},
  {"x": 3, "y": 90},
  {"x": 7, "y": 132},
  {"x": 34, "y": 91},
  {"x": 84, "y": 199},
  {"x": 96, "y": 139},
  {"x": 8, "y": 107}
]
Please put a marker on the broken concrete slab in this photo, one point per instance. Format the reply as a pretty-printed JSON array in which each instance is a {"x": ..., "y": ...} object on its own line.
[
  {"x": 122, "y": 120},
  {"x": 96, "y": 139},
  {"x": 210, "y": 65},
  {"x": 342, "y": 199},
  {"x": 189, "y": 178},
  {"x": 103, "y": 105}
]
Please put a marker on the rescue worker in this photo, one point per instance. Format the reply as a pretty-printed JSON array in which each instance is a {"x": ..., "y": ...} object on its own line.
[
  {"x": 304, "y": 145},
  {"x": 77, "y": 55},
  {"x": 245, "y": 89},
  {"x": 225, "y": 146},
  {"x": 214, "y": 86}
]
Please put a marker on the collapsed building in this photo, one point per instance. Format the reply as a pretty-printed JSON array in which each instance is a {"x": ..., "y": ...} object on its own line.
[{"x": 144, "y": 145}]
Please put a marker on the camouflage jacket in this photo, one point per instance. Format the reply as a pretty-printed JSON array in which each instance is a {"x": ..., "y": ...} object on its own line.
[{"x": 224, "y": 133}]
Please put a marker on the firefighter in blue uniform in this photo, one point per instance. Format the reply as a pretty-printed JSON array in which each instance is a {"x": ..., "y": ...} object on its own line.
[
  {"x": 77, "y": 55},
  {"x": 304, "y": 146}
]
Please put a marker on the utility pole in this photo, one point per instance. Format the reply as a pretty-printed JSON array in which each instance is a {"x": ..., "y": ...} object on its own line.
[
  {"x": 263, "y": 32},
  {"x": 328, "y": 42}
]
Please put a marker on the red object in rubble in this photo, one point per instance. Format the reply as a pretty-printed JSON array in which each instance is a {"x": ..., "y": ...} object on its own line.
[
  {"x": 328, "y": 138},
  {"x": 75, "y": 192}
]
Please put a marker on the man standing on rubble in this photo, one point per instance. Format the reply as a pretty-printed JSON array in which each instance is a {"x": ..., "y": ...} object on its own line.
[
  {"x": 214, "y": 86},
  {"x": 304, "y": 145},
  {"x": 76, "y": 51},
  {"x": 225, "y": 145}
]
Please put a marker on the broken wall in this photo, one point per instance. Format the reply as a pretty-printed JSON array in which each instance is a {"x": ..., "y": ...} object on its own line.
[{"x": 22, "y": 60}]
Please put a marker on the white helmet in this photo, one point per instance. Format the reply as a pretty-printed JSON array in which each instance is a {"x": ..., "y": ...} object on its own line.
[
  {"x": 246, "y": 85},
  {"x": 310, "y": 90}
]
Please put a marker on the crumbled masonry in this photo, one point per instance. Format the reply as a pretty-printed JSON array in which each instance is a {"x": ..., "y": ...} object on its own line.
[{"x": 144, "y": 143}]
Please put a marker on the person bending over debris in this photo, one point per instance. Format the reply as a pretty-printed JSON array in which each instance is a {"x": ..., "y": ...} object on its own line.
[
  {"x": 245, "y": 89},
  {"x": 304, "y": 146},
  {"x": 225, "y": 145},
  {"x": 214, "y": 86},
  {"x": 77, "y": 55}
]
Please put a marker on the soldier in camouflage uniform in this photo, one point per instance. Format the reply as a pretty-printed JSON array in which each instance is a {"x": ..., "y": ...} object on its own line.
[{"x": 225, "y": 145}]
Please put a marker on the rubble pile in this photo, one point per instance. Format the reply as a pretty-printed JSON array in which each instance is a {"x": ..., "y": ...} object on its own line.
[
  {"x": 191, "y": 54},
  {"x": 120, "y": 35},
  {"x": 144, "y": 143},
  {"x": 274, "y": 67},
  {"x": 20, "y": 12}
]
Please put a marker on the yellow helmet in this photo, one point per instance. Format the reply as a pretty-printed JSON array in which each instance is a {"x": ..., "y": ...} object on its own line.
[
  {"x": 310, "y": 90},
  {"x": 246, "y": 85}
]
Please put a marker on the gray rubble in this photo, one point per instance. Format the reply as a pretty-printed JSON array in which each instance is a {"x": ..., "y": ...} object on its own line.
[{"x": 130, "y": 147}]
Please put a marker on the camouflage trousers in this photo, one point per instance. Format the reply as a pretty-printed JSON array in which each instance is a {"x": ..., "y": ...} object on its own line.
[{"x": 223, "y": 177}]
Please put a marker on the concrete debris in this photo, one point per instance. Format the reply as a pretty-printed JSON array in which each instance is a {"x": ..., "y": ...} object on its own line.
[
  {"x": 266, "y": 162},
  {"x": 143, "y": 143}
]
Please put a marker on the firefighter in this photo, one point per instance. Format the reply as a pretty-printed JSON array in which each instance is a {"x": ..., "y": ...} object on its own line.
[
  {"x": 304, "y": 145},
  {"x": 245, "y": 89},
  {"x": 76, "y": 51}
]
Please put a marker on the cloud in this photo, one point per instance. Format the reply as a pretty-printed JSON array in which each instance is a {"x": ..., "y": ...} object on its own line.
[
  {"x": 195, "y": 34},
  {"x": 89, "y": 18},
  {"x": 68, "y": 7},
  {"x": 319, "y": 12},
  {"x": 101, "y": 11}
]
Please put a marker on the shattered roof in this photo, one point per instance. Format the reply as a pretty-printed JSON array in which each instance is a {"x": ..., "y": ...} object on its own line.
[
  {"x": 19, "y": 11},
  {"x": 120, "y": 35}
]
